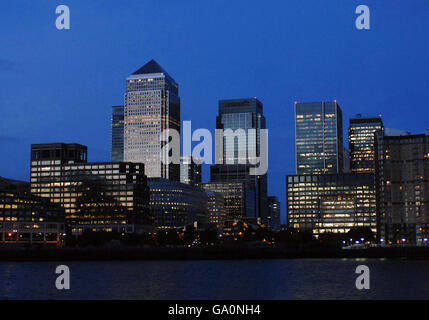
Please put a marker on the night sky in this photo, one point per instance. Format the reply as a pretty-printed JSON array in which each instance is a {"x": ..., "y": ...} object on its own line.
[{"x": 59, "y": 85}]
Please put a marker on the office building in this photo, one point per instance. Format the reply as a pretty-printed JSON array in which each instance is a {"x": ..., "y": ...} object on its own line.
[
  {"x": 216, "y": 206},
  {"x": 175, "y": 205},
  {"x": 190, "y": 171},
  {"x": 362, "y": 142},
  {"x": 239, "y": 198},
  {"x": 239, "y": 156},
  {"x": 318, "y": 138},
  {"x": 26, "y": 219},
  {"x": 402, "y": 180},
  {"x": 242, "y": 114},
  {"x": 274, "y": 213},
  {"x": 395, "y": 132},
  {"x": 108, "y": 196},
  {"x": 331, "y": 203},
  {"x": 117, "y": 152},
  {"x": 152, "y": 105},
  {"x": 346, "y": 160}
]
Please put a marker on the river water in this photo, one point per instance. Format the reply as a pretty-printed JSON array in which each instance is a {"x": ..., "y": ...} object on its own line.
[{"x": 217, "y": 279}]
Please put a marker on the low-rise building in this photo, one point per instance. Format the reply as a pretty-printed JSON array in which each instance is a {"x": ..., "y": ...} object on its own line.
[
  {"x": 26, "y": 219},
  {"x": 174, "y": 204},
  {"x": 99, "y": 196}
]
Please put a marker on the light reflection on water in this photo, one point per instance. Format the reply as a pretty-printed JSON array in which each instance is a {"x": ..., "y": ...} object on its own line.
[{"x": 217, "y": 279}]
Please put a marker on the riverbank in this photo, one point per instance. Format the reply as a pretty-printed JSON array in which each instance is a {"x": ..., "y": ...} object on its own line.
[{"x": 210, "y": 253}]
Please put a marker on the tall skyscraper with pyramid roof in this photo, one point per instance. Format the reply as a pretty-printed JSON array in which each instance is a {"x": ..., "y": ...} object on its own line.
[{"x": 152, "y": 104}]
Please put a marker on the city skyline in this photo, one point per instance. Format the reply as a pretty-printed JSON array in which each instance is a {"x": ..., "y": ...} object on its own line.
[
  {"x": 345, "y": 136},
  {"x": 358, "y": 75},
  {"x": 214, "y": 158}
]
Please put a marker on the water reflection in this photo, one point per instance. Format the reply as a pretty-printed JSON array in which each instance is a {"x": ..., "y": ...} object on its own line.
[{"x": 219, "y": 279}]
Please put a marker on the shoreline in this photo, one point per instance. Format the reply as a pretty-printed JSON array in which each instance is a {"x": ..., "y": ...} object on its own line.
[{"x": 211, "y": 253}]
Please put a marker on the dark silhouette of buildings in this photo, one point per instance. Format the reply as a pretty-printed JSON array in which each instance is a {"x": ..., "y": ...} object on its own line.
[{"x": 117, "y": 124}]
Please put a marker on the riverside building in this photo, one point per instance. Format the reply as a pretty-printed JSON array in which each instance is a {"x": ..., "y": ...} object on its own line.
[{"x": 100, "y": 196}]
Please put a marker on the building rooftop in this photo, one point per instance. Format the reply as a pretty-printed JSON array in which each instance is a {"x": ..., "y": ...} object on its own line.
[
  {"x": 11, "y": 184},
  {"x": 152, "y": 67},
  {"x": 359, "y": 119}
]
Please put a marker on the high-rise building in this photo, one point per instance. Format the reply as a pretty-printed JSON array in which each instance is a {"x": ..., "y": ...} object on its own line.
[
  {"x": 152, "y": 105},
  {"x": 117, "y": 152},
  {"x": 216, "y": 207},
  {"x": 109, "y": 196},
  {"x": 362, "y": 142},
  {"x": 346, "y": 160},
  {"x": 242, "y": 114},
  {"x": 402, "y": 181},
  {"x": 190, "y": 171},
  {"x": 331, "y": 203},
  {"x": 318, "y": 138},
  {"x": 274, "y": 212},
  {"x": 174, "y": 204},
  {"x": 28, "y": 219},
  {"x": 395, "y": 132},
  {"x": 239, "y": 198}
]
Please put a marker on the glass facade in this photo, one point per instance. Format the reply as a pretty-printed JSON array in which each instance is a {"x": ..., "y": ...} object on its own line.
[
  {"x": 402, "y": 180},
  {"x": 238, "y": 197},
  {"x": 362, "y": 143},
  {"x": 242, "y": 114},
  {"x": 331, "y": 203},
  {"x": 318, "y": 138},
  {"x": 175, "y": 205},
  {"x": 117, "y": 152},
  {"x": 190, "y": 171},
  {"x": 152, "y": 105}
]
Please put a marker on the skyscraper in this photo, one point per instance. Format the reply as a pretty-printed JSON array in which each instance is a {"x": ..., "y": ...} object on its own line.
[
  {"x": 216, "y": 208},
  {"x": 402, "y": 185},
  {"x": 117, "y": 152},
  {"x": 318, "y": 138},
  {"x": 274, "y": 212},
  {"x": 152, "y": 105},
  {"x": 362, "y": 142},
  {"x": 190, "y": 171},
  {"x": 242, "y": 114},
  {"x": 239, "y": 199}
]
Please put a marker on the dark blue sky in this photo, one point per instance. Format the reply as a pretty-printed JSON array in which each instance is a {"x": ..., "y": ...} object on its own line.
[{"x": 59, "y": 86}]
